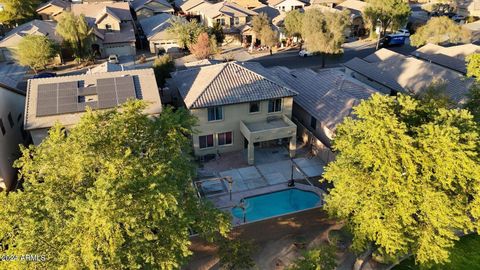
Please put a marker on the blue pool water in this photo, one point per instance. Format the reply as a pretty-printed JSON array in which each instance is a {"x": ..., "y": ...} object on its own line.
[{"x": 276, "y": 203}]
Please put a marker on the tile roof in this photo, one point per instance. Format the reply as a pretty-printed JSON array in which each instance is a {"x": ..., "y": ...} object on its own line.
[
  {"x": 328, "y": 95},
  {"x": 35, "y": 27},
  {"x": 450, "y": 57},
  {"x": 94, "y": 10},
  {"x": 126, "y": 34},
  {"x": 156, "y": 26},
  {"x": 58, "y": 3},
  {"x": 138, "y": 4},
  {"x": 145, "y": 87},
  {"x": 408, "y": 74},
  {"x": 228, "y": 9},
  {"x": 190, "y": 4},
  {"x": 228, "y": 83}
]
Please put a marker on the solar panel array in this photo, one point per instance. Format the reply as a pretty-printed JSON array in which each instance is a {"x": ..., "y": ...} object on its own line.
[{"x": 66, "y": 97}]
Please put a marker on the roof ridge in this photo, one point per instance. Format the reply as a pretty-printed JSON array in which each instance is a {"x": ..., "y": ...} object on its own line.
[
  {"x": 210, "y": 83},
  {"x": 282, "y": 84}
]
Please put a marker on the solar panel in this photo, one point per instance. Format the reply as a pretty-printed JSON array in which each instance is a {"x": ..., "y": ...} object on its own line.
[{"x": 69, "y": 97}]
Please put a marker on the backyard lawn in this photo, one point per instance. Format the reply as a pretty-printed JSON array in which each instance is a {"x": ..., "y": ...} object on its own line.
[{"x": 465, "y": 255}]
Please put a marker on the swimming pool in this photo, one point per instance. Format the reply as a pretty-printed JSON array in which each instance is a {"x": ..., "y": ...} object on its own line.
[{"x": 276, "y": 203}]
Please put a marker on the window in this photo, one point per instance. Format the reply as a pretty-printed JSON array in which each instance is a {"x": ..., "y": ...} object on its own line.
[
  {"x": 225, "y": 138},
  {"x": 254, "y": 107},
  {"x": 2, "y": 127},
  {"x": 236, "y": 21},
  {"x": 275, "y": 105},
  {"x": 313, "y": 123},
  {"x": 108, "y": 27},
  {"x": 10, "y": 120},
  {"x": 215, "y": 113},
  {"x": 221, "y": 21},
  {"x": 206, "y": 141}
]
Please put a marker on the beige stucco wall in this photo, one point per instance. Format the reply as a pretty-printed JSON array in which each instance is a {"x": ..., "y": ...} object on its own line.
[
  {"x": 232, "y": 115},
  {"x": 210, "y": 22},
  {"x": 289, "y": 5},
  {"x": 13, "y": 104},
  {"x": 324, "y": 134},
  {"x": 111, "y": 21}
]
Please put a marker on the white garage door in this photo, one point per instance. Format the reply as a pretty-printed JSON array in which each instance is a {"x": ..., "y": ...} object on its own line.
[{"x": 120, "y": 50}]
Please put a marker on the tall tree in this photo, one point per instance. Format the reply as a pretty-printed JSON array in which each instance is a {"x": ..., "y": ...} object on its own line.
[
  {"x": 162, "y": 67},
  {"x": 36, "y": 52},
  {"x": 75, "y": 30},
  {"x": 473, "y": 70},
  {"x": 293, "y": 23},
  {"x": 110, "y": 195},
  {"x": 217, "y": 32},
  {"x": 439, "y": 30},
  {"x": 259, "y": 24},
  {"x": 269, "y": 38},
  {"x": 202, "y": 48},
  {"x": 407, "y": 177},
  {"x": 18, "y": 11},
  {"x": 390, "y": 14},
  {"x": 187, "y": 32},
  {"x": 324, "y": 32}
]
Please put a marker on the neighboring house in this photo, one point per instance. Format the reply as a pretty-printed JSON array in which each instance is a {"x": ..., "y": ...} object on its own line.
[
  {"x": 468, "y": 8},
  {"x": 64, "y": 99},
  {"x": 147, "y": 8},
  {"x": 328, "y": 3},
  {"x": 230, "y": 16},
  {"x": 354, "y": 7},
  {"x": 453, "y": 57},
  {"x": 191, "y": 7},
  {"x": 238, "y": 106},
  {"x": 248, "y": 4},
  {"x": 391, "y": 73},
  {"x": 324, "y": 98},
  {"x": 155, "y": 29},
  {"x": 286, "y": 5},
  {"x": 53, "y": 9},
  {"x": 9, "y": 44},
  {"x": 113, "y": 25},
  {"x": 12, "y": 134}
]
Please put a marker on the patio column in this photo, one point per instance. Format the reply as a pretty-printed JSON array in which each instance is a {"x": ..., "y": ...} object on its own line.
[
  {"x": 251, "y": 153},
  {"x": 292, "y": 146}
]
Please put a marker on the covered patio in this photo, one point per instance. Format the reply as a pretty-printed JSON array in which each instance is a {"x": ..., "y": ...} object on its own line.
[{"x": 274, "y": 128}]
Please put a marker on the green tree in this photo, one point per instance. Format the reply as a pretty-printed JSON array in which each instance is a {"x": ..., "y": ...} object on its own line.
[
  {"x": 407, "y": 177},
  {"x": 116, "y": 193},
  {"x": 439, "y": 30},
  {"x": 36, "y": 52},
  {"x": 217, "y": 32},
  {"x": 473, "y": 70},
  {"x": 162, "y": 67},
  {"x": 259, "y": 24},
  {"x": 269, "y": 38},
  {"x": 75, "y": 31},
  {"x": 293, "y": 23},
  {"x": 324, "y": 32},
  {"x": 321, "y": 258},
  {"x": 235, "y": 254},
  {"x": 390, "y": 14},
  {"x": 18, "y": 11},
  {"x": 187, "y": 32},
  {"x": 473, "y": 65}
]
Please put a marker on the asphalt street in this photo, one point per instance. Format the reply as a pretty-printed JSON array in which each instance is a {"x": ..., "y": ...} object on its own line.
[{"x": 291, "y": 59}]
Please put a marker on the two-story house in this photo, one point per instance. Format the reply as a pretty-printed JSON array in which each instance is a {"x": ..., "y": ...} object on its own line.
[
  {"x": 113, "y": 26},
  {"x": 147, "y": 8},
  {"x": 12, "y": 134},
  {"x": 238, "y": 105},
  {"x": 155, "y": 29},
  {"x": 286, "y": 5}
]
